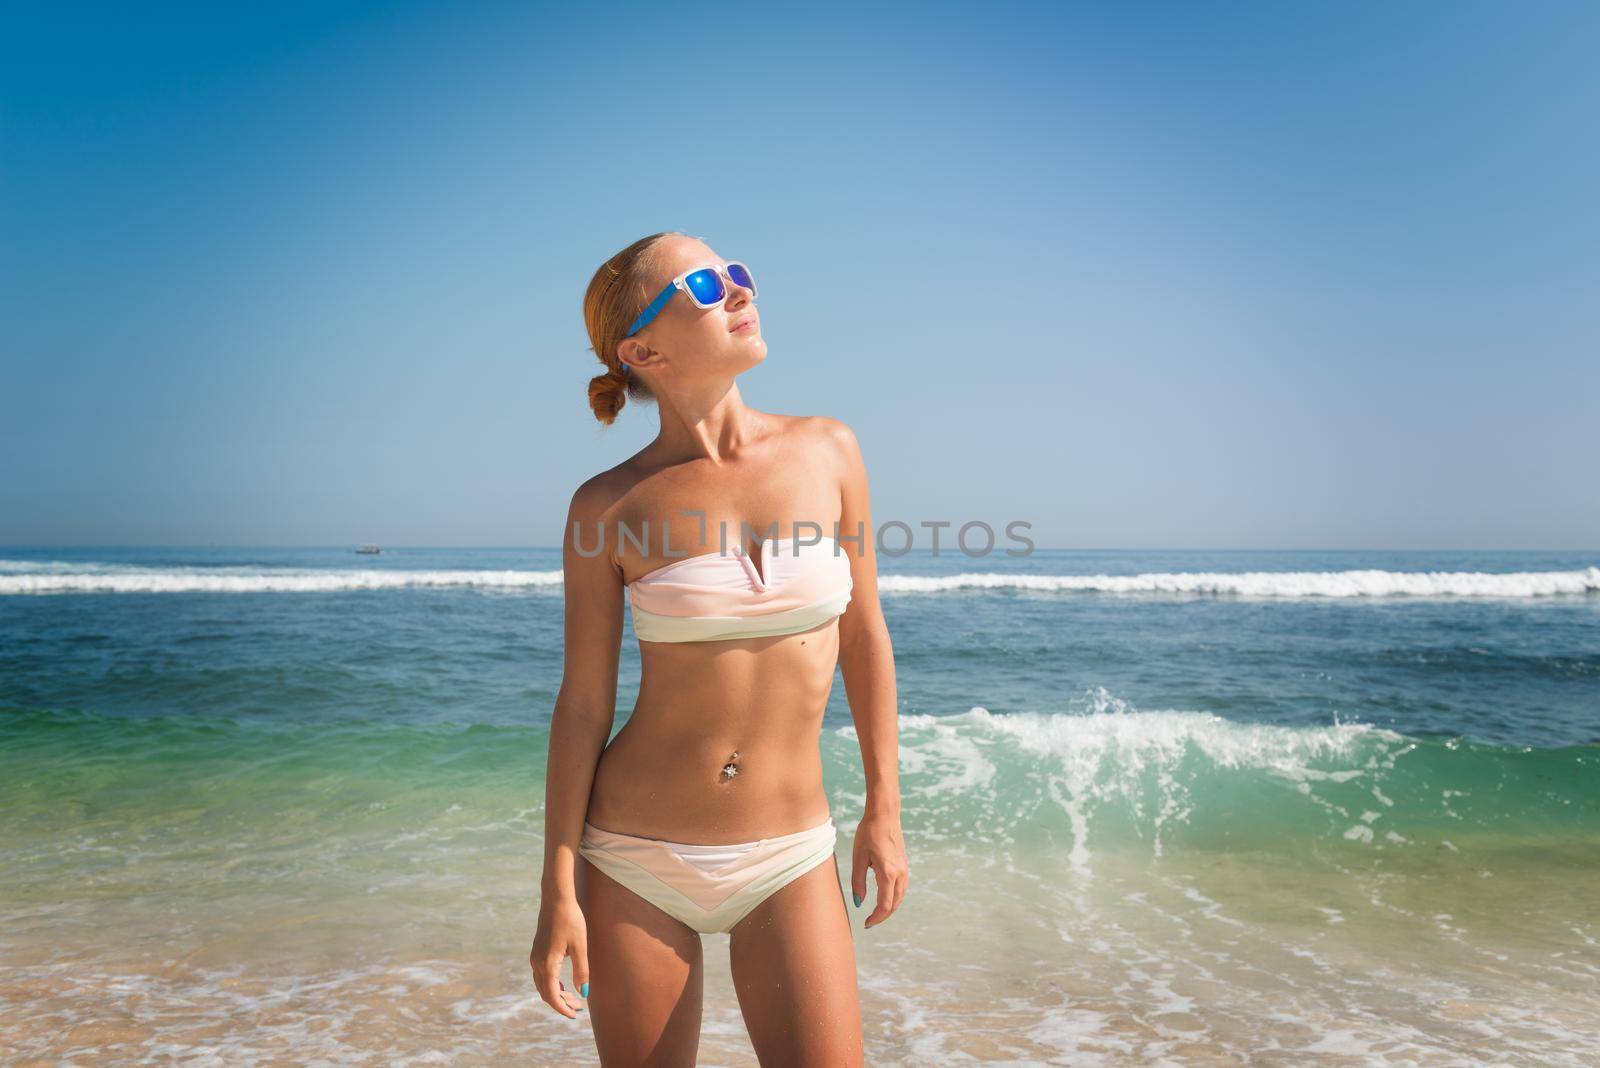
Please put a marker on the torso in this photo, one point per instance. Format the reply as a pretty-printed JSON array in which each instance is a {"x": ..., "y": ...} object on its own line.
[{"x": 662, "y": 776}]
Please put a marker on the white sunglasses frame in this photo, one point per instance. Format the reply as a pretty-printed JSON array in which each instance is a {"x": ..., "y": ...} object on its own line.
[{"x": 681, "y": 282}]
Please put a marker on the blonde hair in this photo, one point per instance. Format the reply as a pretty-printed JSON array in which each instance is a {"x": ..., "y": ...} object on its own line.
[{"x": 617, "y": 293}]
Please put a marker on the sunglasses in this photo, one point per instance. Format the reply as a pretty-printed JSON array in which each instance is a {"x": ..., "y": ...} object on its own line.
[{"x": 703, "y": 285}]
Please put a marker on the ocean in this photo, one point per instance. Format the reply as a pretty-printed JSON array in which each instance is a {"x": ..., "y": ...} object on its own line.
[{"x": 1164, "y": 807}]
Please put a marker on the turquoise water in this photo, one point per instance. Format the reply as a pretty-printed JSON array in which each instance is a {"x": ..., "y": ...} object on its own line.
[{"x": 264, "y": 802}]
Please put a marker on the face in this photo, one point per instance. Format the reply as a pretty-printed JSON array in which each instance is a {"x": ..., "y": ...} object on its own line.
[{"x": 684, "y": 343}]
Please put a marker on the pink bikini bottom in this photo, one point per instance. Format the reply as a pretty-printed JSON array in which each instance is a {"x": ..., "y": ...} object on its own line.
[{"x": 708, "y": 887}]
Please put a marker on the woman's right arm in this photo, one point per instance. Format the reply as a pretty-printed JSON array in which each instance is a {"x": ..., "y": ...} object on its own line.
[{"x": 580, "y": 725}]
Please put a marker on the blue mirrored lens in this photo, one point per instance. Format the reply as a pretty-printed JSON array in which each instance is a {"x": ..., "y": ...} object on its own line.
[
  {"x": 706, "y": 286},
  {"x": 741, "y": 277}
]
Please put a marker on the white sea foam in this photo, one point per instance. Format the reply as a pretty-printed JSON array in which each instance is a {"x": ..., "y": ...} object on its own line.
[
  {"x": 1111, "y": 756},
  {"x": 1143, "y": 772},
  {"x": 1270, "y": 583},
  {"x": 57, "y": 576}
]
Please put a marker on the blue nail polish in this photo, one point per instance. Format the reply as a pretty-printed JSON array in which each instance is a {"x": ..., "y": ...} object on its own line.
[
  {"x": 857, "y": 897},
  {"x": 584, "y": 990}
]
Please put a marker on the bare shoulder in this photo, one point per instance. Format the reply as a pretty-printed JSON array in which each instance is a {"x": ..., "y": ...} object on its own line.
[
  {"x": 834, "y": 440},
  {"x": 831, "y": 437},
  {"x": 599, "y": 495}
]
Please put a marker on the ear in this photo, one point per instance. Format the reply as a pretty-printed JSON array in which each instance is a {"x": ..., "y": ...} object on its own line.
[{"x": 635, "y": 353}]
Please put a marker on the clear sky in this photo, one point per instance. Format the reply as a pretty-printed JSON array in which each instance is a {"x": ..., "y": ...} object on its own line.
[{"x": 1144, "y": 275}]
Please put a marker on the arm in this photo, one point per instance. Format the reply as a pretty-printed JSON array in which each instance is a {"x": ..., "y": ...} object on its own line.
[
  {"x": 580, "y": 725},
  {"x": 866, "y": 658}
]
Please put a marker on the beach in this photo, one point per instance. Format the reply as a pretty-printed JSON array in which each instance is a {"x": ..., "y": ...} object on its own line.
[{"x": 1178, "y": 807}]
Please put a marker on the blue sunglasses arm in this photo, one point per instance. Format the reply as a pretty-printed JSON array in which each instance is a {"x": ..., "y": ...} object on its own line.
[{"x": 650, "y": 312}]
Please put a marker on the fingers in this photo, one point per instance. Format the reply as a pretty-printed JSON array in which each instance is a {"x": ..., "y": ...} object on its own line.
[
  {"x": 580, "y": 969},
  {"x": 571, "y": 998},
  {"x": 892, "y": 880},
  {"x": 547, "y": 978}
]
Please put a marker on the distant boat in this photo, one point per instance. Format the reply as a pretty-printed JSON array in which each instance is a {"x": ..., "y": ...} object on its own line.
[{"x": 369, "y": 550}]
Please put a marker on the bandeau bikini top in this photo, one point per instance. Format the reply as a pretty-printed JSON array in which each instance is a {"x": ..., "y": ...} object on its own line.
[{"x": 715, "y": 597}]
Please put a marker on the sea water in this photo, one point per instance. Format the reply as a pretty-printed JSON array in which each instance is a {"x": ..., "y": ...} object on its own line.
[{"x": 1169, "y": 807}]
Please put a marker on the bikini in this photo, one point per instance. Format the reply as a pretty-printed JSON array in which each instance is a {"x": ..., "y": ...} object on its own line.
[{"x": 717, "y": 597}]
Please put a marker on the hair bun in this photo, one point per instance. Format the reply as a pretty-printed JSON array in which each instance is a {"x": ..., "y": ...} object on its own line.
[{"x": 607, "y": 394}]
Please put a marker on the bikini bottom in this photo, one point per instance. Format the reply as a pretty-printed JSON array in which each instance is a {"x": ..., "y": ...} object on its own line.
[{"x": 708, "y": 887}]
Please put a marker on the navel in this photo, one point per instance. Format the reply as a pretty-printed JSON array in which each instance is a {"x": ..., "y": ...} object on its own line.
[{"x": 730, "y": 769}]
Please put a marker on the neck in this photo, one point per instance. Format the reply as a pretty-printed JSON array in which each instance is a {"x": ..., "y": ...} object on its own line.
[{"x": 710, "y": 422}]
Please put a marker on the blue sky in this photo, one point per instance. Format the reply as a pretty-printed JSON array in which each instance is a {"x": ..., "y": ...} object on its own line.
[{"x": 1143, "y": 275}]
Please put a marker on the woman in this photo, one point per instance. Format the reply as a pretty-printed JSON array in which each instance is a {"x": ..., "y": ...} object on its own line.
[{"x": 744, "y": 541}]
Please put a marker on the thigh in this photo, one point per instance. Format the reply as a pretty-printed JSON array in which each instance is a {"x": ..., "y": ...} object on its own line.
[
  {"x": 646, "y": 975},
  {"x": 794, "y": 970}
]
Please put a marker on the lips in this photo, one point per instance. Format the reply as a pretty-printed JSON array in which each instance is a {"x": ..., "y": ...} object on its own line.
[{"x": 749, "y": 321}]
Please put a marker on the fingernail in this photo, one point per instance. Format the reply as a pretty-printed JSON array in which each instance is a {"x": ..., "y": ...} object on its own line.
[
  {"x": 857, "y": 897},
  {"x": 584, "y": 990}
]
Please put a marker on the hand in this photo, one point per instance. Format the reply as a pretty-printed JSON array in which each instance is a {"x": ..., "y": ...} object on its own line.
[
  {"x": 879, "y": 845},
  {"x": 562, "y": 933}
]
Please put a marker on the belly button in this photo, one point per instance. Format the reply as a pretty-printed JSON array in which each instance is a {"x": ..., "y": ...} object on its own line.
[{"x": 730, "y": 769}]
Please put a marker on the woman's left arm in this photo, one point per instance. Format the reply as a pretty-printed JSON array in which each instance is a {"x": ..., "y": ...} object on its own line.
[{"x": 866, "y": 658}]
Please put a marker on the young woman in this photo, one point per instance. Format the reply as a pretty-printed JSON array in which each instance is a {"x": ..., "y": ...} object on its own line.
[{"x": 744, "y": 542}]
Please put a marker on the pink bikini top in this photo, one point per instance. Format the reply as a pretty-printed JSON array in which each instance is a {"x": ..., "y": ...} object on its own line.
[{"x": 715, "y": 597}]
